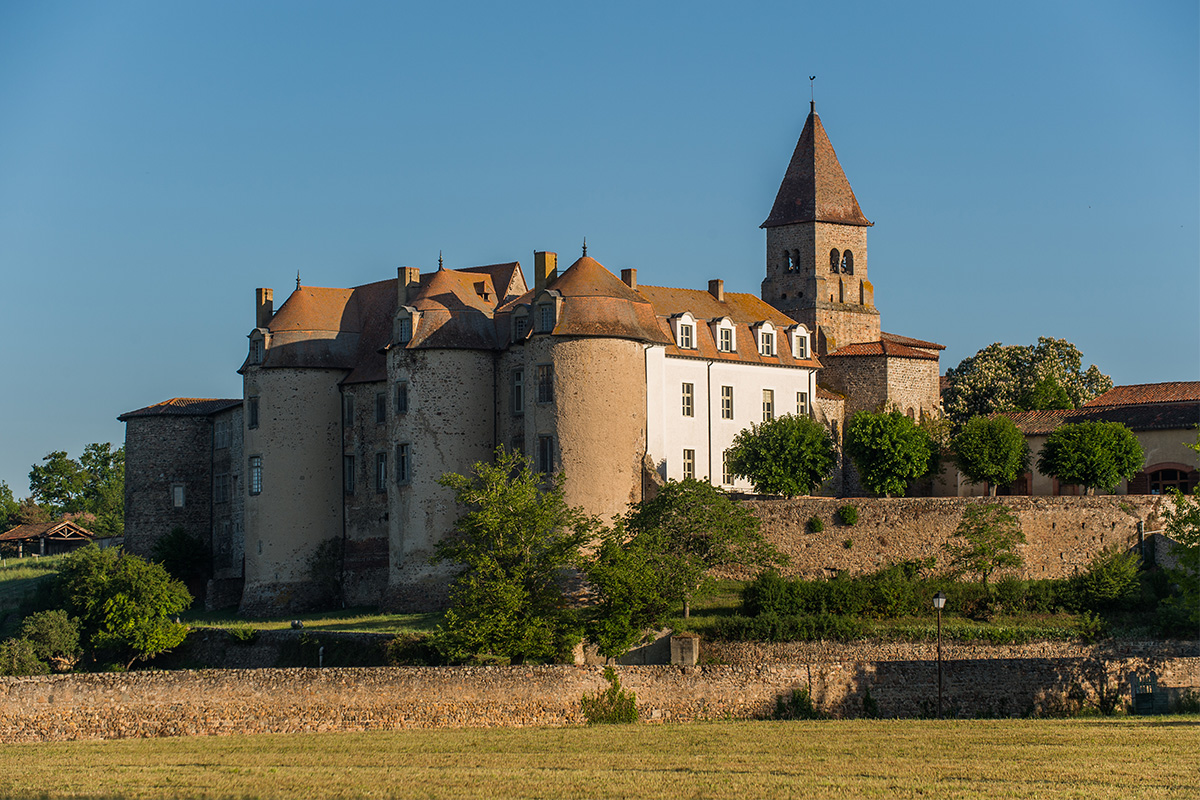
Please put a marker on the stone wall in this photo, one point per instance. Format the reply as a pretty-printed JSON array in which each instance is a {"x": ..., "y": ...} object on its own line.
[
  {"x": 1003, "y": 681},
  {"x": 1063, "y": 534}
]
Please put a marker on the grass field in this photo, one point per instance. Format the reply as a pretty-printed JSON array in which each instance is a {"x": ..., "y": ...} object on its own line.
[
  {"x": 1093, "y": 759},
  {"x": 19, "y": 577}
]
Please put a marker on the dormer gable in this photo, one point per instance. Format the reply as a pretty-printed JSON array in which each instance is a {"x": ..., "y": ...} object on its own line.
[
  {"x": 764, "y": 338},
  {"x": 724, "y": 334},
  {"x": 405, "y": 325},
  {"x": 683, "y": 330},
  {"x": 800, "y": 341},
  {"x": 546, "y": 309}
]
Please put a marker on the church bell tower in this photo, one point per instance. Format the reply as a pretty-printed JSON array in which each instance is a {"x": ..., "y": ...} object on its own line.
[{"x": 817, "y": 247}]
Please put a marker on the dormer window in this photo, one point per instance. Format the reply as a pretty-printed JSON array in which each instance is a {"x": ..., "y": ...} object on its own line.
[
  {"x": 404, "y": 330},
  {"x": 520, "y": 325},
  {"x": 799, "y": 341},
  {"x": 256, "y": 350},
  {"x": 683, "y": 326},
  {"x": 687, "y": 337},
  {"x": 725, "y": 340},
  {"x": 766, "y": 343},
  {"x": 545, "y": 317}
]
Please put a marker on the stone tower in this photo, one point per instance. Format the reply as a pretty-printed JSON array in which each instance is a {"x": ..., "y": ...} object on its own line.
[{"x": 817, "y": 247}]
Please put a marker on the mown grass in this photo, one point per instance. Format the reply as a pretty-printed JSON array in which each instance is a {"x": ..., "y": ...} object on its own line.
[
  {"x": 1095, "y": 759},
  {"x": 362, "y": 620},
  {"x": 19, "y": 578}
]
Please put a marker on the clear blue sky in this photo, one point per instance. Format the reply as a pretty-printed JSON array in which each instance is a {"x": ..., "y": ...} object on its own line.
[{"x": 1031, "y": 169}]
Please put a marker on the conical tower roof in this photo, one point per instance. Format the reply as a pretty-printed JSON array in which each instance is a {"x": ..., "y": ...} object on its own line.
[{"x": 815, "y": 189}]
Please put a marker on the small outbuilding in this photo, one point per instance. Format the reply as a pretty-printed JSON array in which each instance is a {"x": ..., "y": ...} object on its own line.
[{"x": 45, "y": 538}]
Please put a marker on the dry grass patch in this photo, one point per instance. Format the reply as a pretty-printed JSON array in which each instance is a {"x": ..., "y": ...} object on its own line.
[{"x": 1094, "y": 759}]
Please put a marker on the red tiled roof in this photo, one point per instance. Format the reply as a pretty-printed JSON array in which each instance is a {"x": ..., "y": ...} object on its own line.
[
  {"x": 882, "y": 348},
  {"x": 62, "y": 529},
  {"x": 826, "y": 394},
  {"x": 1143, "y": 417},
  {"x": 1142, "y": 393},
  {"x": 182, "y": 407},
  {"x": 815, "y": 188},
  {"x": 911, "y": 342},
  {"x": 507, "y": 278}
]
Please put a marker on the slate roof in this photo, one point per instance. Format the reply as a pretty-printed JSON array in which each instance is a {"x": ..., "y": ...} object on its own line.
[
  {"x": 884, "y": 347},
  {"x": 182, "y": 407},
  {"x": 815, "y": 188}
]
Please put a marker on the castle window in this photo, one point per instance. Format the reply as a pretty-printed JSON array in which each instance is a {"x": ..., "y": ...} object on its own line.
[
  {"x": 220, "y": 434},
  {"x": 256, "y": 478},
  {"x": 177, "y": 495},
  {"x": 689, "y": 404},
  {"x": 252, "y": 412},
  {"x": 726, "y": 472},
  {"x": 768, "y": 405},
  {"x": 348, "y": 474},
  {"x": 221, "y": 488},
  {"x": 1164, "y": 480},
  {"x": 686, "y": 337},
  {"x": 726, "y": 402},
  {"x": 689, "y": 464},
  {"x": 402, "y": 397},
  {"x": 545, "y": 318},
  {"x": 256, "y": 350},
  {"x": 380, "y": 407},
  {"x": 518, "y": 391},
  {"x": 381, "y": 472},
  {"x": 848, "y": 262},
  {"x": 802, "y": 403},
  {"x": 725, "y": 340},
  {"x": 520, "y": 327},
  {"x": 348, "y": 410},
  {"x": 835, "y": 260},
  {"x": 403, "y": 463},
  {"x": 545, "y": 383},
  {"x": 546, "y": 454},
  {"x": 404, "y": 334},
  {"x": 766, "y": 343}
]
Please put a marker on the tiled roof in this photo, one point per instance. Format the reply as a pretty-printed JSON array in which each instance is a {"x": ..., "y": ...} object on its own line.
[
  {"x": 182, "y": 407},
  {"x": 1144, "y": 417},
  {"x": 815, "y": 188},
  {"x": 889, "y": 349},
  {"x": 1141, "y": 393},
  {"x": 507, "y": 278},
  {"x": 911, "y": 342},
  {"x": 62, "y": 529},
  {"x": 826, "y": 394}
]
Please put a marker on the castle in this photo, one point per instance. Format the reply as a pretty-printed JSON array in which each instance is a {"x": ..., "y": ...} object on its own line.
[{"x": 357, "y": 400}]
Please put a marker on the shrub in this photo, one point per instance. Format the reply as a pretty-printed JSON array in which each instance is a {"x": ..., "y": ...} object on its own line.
[
  {"x": 848, "y": 515},
  {"x": 795, "y": 628},
  {"x": 613, "y": 706},
  {"x": 1089, "y": 627},
  {"x": 242, "y": 634},
  {"x": 1111, "y": 582},
  {"x": 815, "y": 525},
  {"x": 798, "y": 705},
  {"x": 1189, "y": 702},
  {"x": 870, "y": 706},
  {"x": 18, "y": 657},
  {"x": 54, "y": 637},
  {"x": 411, "y": 650}
]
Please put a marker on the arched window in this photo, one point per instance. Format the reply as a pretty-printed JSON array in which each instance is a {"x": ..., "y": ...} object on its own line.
[
  {"x": 835, "y": 260},
  {"x": 848, "y": 262},
  {"x": 787, "y": 261}
]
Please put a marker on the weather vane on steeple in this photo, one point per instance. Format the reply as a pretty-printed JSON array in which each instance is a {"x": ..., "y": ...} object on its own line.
[
  {"x": 812, "y": 94},
  {"x": 297, "y": 279},
  {"x": 585, "y": 245},
  {"x": 441, "y": 266}
]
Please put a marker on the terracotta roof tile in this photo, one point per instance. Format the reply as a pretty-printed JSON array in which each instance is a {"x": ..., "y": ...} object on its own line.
[
  {"x": 1143, "y": 417},
  {"x": 62, "y": 529},
  {"x": 182, "y": 407},
  {"x": 911, "y": 342},
  {"x": 1141, "y": 393},
  {"x": 815, "y": 188},
  {"x": 826, "y": 394},
  {"x": 882, "y": 348}
]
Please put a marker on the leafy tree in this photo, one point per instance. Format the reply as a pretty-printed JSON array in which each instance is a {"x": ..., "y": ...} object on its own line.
[
  {"x": 788, "y": 455},
  {"x": 9, "y": 508},
  {"x": 630, "y": 595},
  {"x": 94, "y": 485},
  {"x": 57, "y": 485},
  {"x": 29, "y": 512},
  {"x": 691, "y": 527},
  {"x": 1096, "y": 455},
  {"x": 990, "y": 534},
  {"x": 514, "y": 544},
  {"x": 889, "y": 450},
  {"x": 18, "y": 657},
  {"x": 124, "y": 603},
  {"x": 1110, "y": 581},
  {"x": 991, "y": 449},
  {"x": 54, "y": 636},
  {"x": 1002, "y": 378},
  {"x": 1183, "y": 527}
]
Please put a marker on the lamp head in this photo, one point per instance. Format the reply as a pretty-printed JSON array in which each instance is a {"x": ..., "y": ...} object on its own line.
[{"x": 939, "y": 601}]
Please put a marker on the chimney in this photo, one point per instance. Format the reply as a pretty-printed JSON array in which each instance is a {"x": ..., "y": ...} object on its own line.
[
  {"x": 545, "y": 268},
  {"x": 629, "y": 277},
  {"x": 264, "y": 307},
  {"x": 717, "y": 289},
  {"x": 407, "y": 281}
]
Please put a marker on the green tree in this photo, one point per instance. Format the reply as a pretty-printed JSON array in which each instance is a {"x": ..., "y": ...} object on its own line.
[
  {"x": 630, "y": 597},
  {"x": 57, "y": 485},
  {"x": 515, "y": 545},
  {"x": 9, "y": 508},
  {"x": 789, "y": 455},
  {"x": 54, "y": 636},
  {"x": 1183, "y": 528},
  {"x": 889, "y": 450},
  {"x": 991, "y": 449},
  {"x": 124, "y": 603},
  {"x": 104, "y": 487},
  {"x": 990, "y": 534},
  {"x": 689, "y": 528},
  {"x": 1096, "y": 455},
  {"x": 1001, "y": 378}
]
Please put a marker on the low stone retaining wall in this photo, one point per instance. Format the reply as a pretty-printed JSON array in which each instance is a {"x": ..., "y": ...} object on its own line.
[{"x": 902, "y": 679}]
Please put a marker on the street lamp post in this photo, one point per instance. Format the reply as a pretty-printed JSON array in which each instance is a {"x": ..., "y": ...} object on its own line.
[{"x": 939, "y": 601}]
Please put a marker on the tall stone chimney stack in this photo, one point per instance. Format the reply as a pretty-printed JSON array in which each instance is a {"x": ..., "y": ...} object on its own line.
[
  {"x": 264, "y": 307},
  {"x": 545, "y": 268},
  {"x": 407, "y": 281},
  {"x": 629, "y": 278}
]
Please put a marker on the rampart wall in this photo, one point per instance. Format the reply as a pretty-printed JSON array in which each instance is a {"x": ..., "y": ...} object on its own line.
[
  {"x": 1063, "y": 534},
  {"x": 902, "y": 679}
]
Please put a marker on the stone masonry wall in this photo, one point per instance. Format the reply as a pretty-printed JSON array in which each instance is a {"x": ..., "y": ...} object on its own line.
[
  {"x": 225, "y": 702},
  {"x": 1062, "y": 533},
  {"x": 161, "y": 452}
]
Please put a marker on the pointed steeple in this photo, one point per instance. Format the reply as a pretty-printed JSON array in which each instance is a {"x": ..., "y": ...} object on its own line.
[{"x": 814, "y": 188}]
